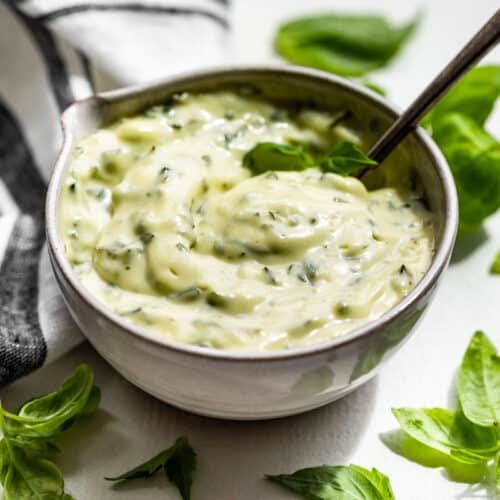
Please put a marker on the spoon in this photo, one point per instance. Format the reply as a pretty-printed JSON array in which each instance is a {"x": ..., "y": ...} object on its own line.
[{"x": 484, "y": 40}]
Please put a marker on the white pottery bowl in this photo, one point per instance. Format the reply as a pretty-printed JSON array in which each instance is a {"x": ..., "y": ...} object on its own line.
[{"x": 259, "y": 385}]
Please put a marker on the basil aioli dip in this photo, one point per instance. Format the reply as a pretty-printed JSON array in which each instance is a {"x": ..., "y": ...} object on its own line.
[{"x": 163, "y": 224}]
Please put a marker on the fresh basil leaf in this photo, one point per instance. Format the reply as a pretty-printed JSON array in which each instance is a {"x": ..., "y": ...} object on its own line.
[
  {"x": 30, "y": 478},
  {"x": 449, "y": 432},
  {"x": 479, "y": 382},
  {"x": 456, "y": 129},
  {"x": 346, "y": 159},
  {"x": 381, "y": 481},
  {"x": 474, "y": 159},
  {"x": 404, "y": 445},
  {"x": 328, "y": 482},
  {"x": 25, "y": 471},
  {"x": 456, "y": 124},
  {"x": 180, "y": 467},
  {"x": 349, "y": 45},
  {"x": 266, "y": 156},
  {"x": 495, "y": 265},
  {"x": 474, "y": 96},
  {"x": 49, "y": 415},
  {"x": 178, "y": 462},
  {"x": 146, "y": 469}
]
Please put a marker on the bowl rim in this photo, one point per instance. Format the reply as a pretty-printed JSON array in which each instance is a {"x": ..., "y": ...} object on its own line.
[{"x": 439, "y": 261}]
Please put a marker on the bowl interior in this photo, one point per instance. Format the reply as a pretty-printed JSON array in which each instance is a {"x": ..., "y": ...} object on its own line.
[{"x": 371, "y": 115}]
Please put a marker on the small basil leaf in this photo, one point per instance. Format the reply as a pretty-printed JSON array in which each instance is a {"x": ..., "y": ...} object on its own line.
[
  {"x": 328, "y": 482},
  {"x": 345, "y": 44},
  {"x": 346, "y": 159},
  {"x": 180, "y": 467},
  {"x": 479, "y": 382},
  {"x": 449, "y": 432},
  {"x": 474, "y": 96},
  {"x": 53, "y": 413},
  {"x": 404, "y": 445},
  {"x": 379, "y": 480},
  {"x": 29, "y": 478},
  {"x": 495, "y": 265},
  {"x": 474, "y": 159},
  {"x": 266, "y": 156},
  {"x": 146, "y": 469},
  {"x": 178, "y": 462}
]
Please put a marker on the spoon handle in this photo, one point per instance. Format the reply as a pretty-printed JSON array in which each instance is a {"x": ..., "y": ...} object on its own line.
[{"x": 485, "y": 39}]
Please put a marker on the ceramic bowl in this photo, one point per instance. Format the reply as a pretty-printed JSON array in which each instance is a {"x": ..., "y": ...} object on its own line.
[{"x": 259, "y": 385}]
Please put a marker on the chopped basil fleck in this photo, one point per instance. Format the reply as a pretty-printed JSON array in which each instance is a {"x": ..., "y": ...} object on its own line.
[
  {"x": 146, "y": 237},
  {"x": 270, "y": 276}
]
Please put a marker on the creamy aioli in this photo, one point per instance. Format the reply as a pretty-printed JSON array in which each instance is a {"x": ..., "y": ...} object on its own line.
[{"x": 163, "y": 224}]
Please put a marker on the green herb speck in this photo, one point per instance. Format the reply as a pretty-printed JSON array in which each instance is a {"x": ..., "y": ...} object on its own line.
[
  {"x": 229, "y": 137},
  {"x": 188, "y": 295},
  {"x": 207, "y": 159},
  {"x": 270, "y": 275},
  {"x": 310, "y": 270},
  {"x": 165, "y": 173},
  {"x": 146, "y": 237},
  {"x": 341, "y": 309},
  {"x": 277, "y": 115}
]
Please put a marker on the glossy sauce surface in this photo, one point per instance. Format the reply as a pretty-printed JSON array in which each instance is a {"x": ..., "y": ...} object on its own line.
[{"x": 163, "y": 224}]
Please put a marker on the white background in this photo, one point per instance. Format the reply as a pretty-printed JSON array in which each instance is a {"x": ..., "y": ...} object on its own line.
[{"x": 233, "y": 456}]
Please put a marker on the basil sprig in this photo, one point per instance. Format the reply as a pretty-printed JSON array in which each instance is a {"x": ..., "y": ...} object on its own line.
[
  {"x": 328, "y": 482},
  {"x": 469, "y": 435},
  {"x": 28, "y": 447},
  {"x": 178, "y": 463},
  {"x": 457, "y": 125},
  {"x": 345, "y": 158}
]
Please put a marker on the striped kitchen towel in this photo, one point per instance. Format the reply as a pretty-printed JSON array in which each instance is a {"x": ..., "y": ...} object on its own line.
[{"x": 51, "y": 53}]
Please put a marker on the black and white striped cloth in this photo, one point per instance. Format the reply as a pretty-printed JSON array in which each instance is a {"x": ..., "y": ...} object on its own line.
[{"x": 51, "y": 53}]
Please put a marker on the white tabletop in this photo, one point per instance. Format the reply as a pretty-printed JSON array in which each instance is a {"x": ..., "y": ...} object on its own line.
[{"x": 234, "y": 456}]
